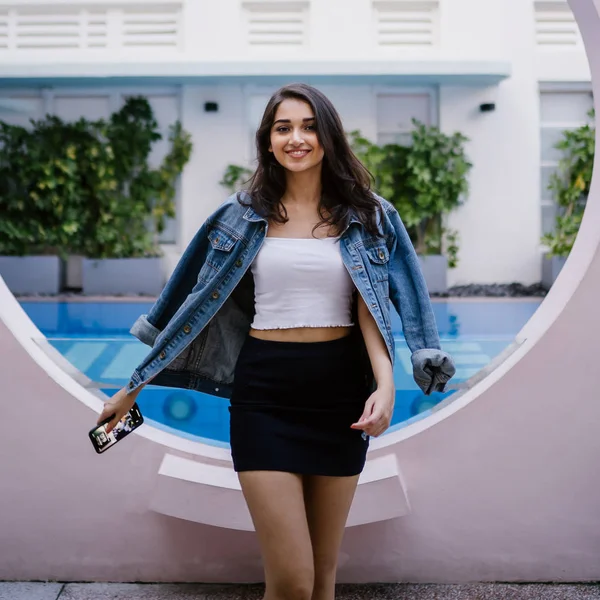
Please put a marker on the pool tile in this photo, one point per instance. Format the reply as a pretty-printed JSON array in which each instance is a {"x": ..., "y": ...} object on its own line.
[
  {"x": 125, "y": 361},
  {"x": 82, "y": 355},
  {"x": 462, "y": 374},
  {"x": 452, "y": 346},
  {"x": 471, "y": 359}
]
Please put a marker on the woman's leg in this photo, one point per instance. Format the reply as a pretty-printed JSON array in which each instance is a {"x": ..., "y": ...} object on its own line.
[
  {"x": 276, "y": 503},
  {"x": 328, "y": 501}
]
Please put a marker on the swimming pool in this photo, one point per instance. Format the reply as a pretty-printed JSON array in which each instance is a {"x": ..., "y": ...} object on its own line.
[{"x": 94, "y": 337}]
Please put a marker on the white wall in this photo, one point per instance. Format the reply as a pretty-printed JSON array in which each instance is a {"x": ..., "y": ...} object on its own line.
[
  {"x": 218, "y": 141},
  {"x": 499, "y": 225}
]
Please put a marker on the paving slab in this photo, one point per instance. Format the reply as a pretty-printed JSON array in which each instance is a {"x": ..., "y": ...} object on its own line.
[
  {"x": 160, "y": 591},
  {"x": 489, "y": 591},
  {"x": 10, "y": 590},
  {"x": 118, "y": 591}
]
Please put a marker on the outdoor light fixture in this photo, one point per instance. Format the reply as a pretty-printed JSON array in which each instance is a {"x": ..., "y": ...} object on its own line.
[
  {"x": 211, "y": 107},
  {"x": 487, "y": 107}
]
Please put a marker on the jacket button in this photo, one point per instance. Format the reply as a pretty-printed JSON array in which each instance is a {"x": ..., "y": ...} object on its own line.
[
  {"x": 216, "y": 240},
  {"x": 381, "y": 255},
  {"x": 239, "y": 262},
  {"x": 131, "y": 385},
  {"x": 162, "y": 355},
  {"x": 215, "y": 295},
  {"x": 186, "y": 329}
]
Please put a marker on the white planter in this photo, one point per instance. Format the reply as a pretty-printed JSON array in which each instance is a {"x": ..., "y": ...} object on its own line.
[
  {"x": 31, "y": 274},
  {"x": 551, "y": 267},
  {"x": 435, "y": 271},
  {"x": 122, "y": 276}
]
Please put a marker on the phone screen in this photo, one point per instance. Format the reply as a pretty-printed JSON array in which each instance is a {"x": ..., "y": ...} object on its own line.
[{"x": 103, "y": 441}]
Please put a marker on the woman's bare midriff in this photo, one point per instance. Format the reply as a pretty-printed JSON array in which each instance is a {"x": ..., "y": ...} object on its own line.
[{"x": 301, "y": 334}]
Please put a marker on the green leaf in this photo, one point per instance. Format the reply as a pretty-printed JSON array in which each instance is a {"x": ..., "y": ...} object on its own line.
[{"x": 570, "y": 185}]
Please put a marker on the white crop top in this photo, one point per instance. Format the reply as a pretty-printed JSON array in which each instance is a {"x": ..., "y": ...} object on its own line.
[{"x": 301, "y": 283}]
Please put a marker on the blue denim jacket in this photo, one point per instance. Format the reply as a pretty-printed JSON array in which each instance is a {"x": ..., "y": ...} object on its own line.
[{"x": 198, "y": 324}]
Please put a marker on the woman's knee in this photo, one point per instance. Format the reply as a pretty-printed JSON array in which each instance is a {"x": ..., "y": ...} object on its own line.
[{"x": 295, "y": 584}]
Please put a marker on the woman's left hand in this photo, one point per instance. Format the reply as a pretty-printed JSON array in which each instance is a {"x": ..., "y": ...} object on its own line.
[{"x": 377, "y": 414}]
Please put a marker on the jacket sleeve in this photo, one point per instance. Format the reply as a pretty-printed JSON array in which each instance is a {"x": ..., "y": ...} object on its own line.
[
  {"x": 179, "y": 285},
  {"x": 432, "y": 367}
]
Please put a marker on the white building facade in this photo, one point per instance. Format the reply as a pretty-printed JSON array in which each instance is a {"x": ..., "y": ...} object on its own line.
[{"x": 381, "y": 62}]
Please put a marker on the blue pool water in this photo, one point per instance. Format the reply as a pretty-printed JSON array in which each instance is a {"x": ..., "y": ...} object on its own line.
[{"x": 95, "y": 338}]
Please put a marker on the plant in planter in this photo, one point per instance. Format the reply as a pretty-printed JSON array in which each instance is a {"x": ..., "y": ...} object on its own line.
[
  {"x": 39, "y": 202},
  {"x": 425, "y": 181},
  {"x": 86, "y": 188},
  {"x": 125, "y": 223},
  {"x": 570, "y": 184}
]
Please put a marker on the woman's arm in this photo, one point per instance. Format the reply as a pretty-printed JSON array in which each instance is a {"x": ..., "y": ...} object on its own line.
[
  {"x": 378, "y": 352},
  {"x": 432, "y": 367},
  {"x": 379, "y": 407}
]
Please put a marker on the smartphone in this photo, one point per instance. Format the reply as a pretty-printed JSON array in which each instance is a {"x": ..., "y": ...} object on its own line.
[{"x": 103, "y": 441}]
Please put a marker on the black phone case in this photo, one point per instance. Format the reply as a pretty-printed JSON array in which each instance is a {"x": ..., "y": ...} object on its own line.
[{"x": 103, "y": 450}]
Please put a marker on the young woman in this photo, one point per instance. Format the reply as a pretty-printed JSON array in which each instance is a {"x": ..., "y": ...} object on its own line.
[{"x": 281, "y": 303}]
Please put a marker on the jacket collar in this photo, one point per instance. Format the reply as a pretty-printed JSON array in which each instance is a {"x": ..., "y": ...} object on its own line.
[{"x": 252, "y": 215}]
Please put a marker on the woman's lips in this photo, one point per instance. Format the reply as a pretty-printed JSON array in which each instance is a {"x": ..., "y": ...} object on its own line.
[{"x": 298, "y": 153}]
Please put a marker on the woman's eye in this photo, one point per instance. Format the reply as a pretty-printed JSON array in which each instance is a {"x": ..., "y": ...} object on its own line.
[{"x": 286, "y": 129}]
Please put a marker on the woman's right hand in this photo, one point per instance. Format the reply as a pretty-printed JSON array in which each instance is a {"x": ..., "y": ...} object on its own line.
[{"x": 119, "y": 405}]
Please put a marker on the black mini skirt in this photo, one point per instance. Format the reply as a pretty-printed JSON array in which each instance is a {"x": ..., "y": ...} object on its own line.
[{"x": 292, "y": 407}]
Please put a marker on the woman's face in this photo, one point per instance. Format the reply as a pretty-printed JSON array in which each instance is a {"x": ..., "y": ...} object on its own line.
[{"x": 294, "y": 141}]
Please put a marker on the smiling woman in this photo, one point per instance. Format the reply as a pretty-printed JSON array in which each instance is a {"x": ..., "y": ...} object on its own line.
[
  {"x": 495, "y": 485},
  {"x": 297, "y": 334}
]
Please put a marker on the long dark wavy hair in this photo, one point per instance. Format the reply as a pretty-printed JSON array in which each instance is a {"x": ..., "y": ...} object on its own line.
[{"x": 345, "y": 182}]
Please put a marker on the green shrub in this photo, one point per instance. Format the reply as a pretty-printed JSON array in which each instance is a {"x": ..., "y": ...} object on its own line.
[
  {"x": 86, "y": 187},
  {"x": 570, "y": 184},
  {"x": 424, "y": 180}
]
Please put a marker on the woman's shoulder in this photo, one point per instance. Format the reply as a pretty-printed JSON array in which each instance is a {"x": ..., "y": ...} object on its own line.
[
  {"x": 387, "y": 206},
  {"x": 232, "y": 210}
]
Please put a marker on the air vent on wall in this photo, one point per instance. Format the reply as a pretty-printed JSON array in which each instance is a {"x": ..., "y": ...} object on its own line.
[
  {"x": 276, "y": 23},
  {"x": 406, "y": 23},
  {"x": 100, "y": 25},
  {"x": 555, "y": 26}
]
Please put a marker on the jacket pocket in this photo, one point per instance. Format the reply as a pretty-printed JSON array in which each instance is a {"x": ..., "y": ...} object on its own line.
[
  {"x": 221, "y": 246},
  {"x": 379, "y": 258},
  {"x": 221, "y": 240}
]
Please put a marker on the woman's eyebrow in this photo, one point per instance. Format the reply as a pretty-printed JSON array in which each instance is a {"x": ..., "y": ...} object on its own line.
[{"x": 289, "y": 120}]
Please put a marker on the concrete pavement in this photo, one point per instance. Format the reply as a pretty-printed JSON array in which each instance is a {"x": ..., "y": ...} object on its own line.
[{"x": 161, "y": 591}]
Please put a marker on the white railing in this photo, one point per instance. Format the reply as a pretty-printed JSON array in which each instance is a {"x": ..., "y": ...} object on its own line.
[
  {"x": 109, "y": 25},
  {"x": 276, "y": 23},
  {"x": 555, "y": 26},
  {"x": 403, "y": 23}
]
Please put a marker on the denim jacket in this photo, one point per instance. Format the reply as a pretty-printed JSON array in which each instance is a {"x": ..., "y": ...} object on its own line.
[{"x": 198, "y": 324}]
